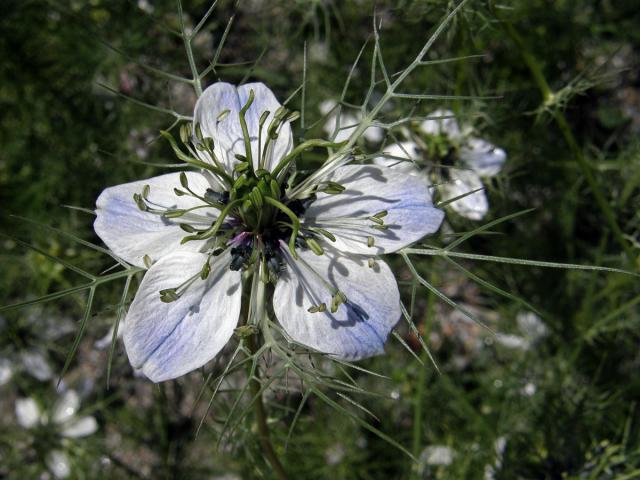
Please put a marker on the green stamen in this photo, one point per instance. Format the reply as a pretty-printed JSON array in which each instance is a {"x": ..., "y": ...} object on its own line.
[
  {"x": 317, "y": 309},
  {"x": 245, "y": 130},
  {"x": 314, "y": 246},
  {"x": 211, "y": 232},
  {"x": 294, "y": 220}
]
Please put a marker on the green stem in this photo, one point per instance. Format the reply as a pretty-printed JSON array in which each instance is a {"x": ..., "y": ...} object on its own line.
[
  {"x": 422, "y": 381},
  {"x": 565, "y": 129},
  {"x": 264, "y": 436},
  {"x": 197, "y": 86}
]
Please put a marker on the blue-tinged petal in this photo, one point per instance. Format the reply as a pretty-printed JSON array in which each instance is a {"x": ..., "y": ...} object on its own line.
[
  {"x": 131, "y": 233},
  {"x": 369, "y": 191},
  {"x": 473, "y": 206},
  {"x": 360, "y": 326},
  {"x": 483, "y": 157},
  {"x": 400, "y": 156},
  {"x": 167, "y": 340},
  {"x": 217, "y": 112},
  {"x": 223, "y": 128}
]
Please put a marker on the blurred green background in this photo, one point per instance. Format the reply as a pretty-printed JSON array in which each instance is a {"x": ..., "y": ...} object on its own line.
[{"x": 560, "y": 402}]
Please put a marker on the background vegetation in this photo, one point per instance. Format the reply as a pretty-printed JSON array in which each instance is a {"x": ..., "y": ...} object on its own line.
[{"x": 560, "y": 405}]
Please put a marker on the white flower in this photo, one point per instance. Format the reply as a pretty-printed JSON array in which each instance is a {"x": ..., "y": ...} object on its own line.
[
  {"x": 478, "y": 159},
  {"x": 63, "y": 420},
  {"x": 198, "y": 231},
  {"x": 343, "y": 123}
]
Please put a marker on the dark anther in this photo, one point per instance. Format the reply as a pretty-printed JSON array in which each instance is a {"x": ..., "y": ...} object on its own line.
[
  {"x": 449, "y": 158},
  {"x": 300, "y": 206},
  {"x": 217, "y": 197},
  {"x": 239, "y": 257},
  {"x": 275, "y": 264},
  {"x": 270, "y": 248}
]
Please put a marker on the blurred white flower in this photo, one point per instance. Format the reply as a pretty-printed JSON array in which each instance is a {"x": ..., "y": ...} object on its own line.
[
  {"x": 529, "y": 389},
  {"x": 437, "y": 455},
  {"x": 531, "y": 325},
  {"x": 473, "y": 206},
  {"x": 474, "y": 159},
  {"x": 334, "y": 454},
  {"x": 318, "y": 51},
  {"x": 478, "y": 159},
  {"x": 531, "y": 329},
  {"x": 63, "y": 419}
]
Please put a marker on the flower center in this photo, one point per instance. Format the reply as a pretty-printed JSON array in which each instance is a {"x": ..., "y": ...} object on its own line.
[{"x": 254, "y": 217}]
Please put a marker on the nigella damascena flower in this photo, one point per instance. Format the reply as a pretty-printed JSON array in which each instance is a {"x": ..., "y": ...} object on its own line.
[
  {"x": 242, "y": 212},
  {"x": 467, "y": 159}
]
